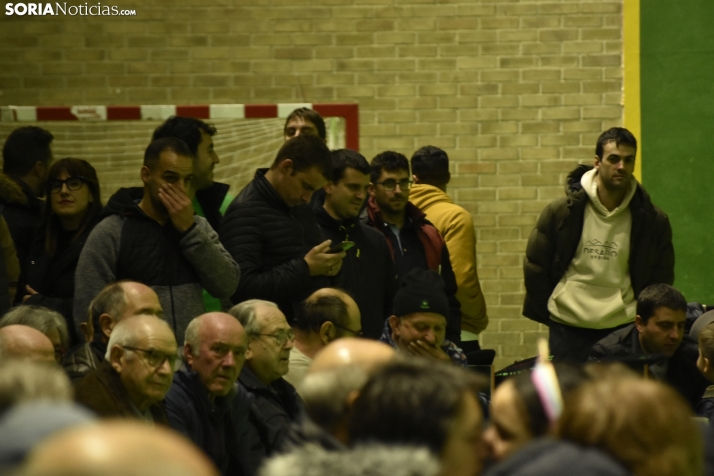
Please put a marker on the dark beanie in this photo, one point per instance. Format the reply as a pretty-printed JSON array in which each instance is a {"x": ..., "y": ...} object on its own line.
[{"x": 421, "y": 290}]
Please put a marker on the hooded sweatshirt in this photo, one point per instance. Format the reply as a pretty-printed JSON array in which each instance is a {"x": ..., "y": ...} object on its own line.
[{"x": 596, "y": 292}]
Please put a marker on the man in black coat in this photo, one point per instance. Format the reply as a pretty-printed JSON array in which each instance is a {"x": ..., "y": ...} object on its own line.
[
  {"x": 657, "y": 336},
  {"x": 27, "y": 157},
  {"x": 275, "y": 403},
  {"x": 271, "y": 232},
  {"x": 367, "y": 272},
  {"x": 201, "y": 399}
]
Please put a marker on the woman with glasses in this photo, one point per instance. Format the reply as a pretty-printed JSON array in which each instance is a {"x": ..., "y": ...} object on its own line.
[{"x": 72, "y": 210}]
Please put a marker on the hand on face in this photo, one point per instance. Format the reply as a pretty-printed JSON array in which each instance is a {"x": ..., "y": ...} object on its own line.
[
  {"x": 178, "y": 205},
  {"x": 323, "y": 263},
  {"x": 423, "y": 349}
]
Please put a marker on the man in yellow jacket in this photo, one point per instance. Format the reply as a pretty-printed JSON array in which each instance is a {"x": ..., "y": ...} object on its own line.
[{"x": 430, "y": 167}]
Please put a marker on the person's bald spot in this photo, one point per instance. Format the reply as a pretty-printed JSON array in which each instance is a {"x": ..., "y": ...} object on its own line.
[
  {"x": 365, "y": 353},
  {"x": 118, "y": 448},
  {"x": 353, "y": 311},
  {"x": 24, "y": 342},
  {"x": 140, "y": 299}
]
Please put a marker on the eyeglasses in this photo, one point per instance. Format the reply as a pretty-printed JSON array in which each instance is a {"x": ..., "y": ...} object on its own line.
[
  {"x": 156, "y": 358},
  {"x": 354, "y": 333},
  {"x": 280, "y": 337},
  {"x": 390, "y": 184},
  {"x": 73, "y": 184}
]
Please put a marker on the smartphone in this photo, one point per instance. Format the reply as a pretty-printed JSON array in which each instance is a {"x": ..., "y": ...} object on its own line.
[{"x": 344, "y": 246}]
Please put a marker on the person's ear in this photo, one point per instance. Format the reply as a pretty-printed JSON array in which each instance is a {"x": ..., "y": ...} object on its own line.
[
  {"x": 40, "y": 169},
  {"x": 394, "y": 323},
  {"x": 370, "y": 189},
  {"x": 188, "y": 354},
  {"x": 639, "y": 323},
  {"x": 328, "y": 332},
  {"x": 329, "y": 186},
  {"x": 415, "y": 179},
  {"x": 145, "y": 174},
  {"x": 115, "y": 358},
  {"x": 106, "y": 324},
  {"x": 286, "y": 167},
  {"x": 597, "y": 163}
]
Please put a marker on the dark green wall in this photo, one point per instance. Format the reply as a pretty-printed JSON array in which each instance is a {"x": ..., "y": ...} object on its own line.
[{"x": 677, "y": 94}]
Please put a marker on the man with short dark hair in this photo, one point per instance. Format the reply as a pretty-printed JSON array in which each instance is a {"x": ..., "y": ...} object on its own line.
[
  {"x": 272, "y": 233},
  {"x": 430, "y": 168},
  {"x": 275, "y": 401},
  {"x": 413, "y": 241},
  {"x": 115, "y": 302},
  {"x": 367, "y": 271},
  {"x": 418, "y": 324},
  {"x": 304, "y": 121},
  {"x": 27, "y": 156},
  {"x": 137, "y": 372},
  {"x": 593, "y": 251},
  {"x": 327, "y": 315},
  {"x": 201, "y": 397},
  {"x": 210, "y": 199},
  {"x": 157, "y": 240},
  {"x": 658, "y": 331}
]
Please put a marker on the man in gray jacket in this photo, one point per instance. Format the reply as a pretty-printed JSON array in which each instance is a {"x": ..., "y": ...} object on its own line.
[{"x": 157, "y": 240}]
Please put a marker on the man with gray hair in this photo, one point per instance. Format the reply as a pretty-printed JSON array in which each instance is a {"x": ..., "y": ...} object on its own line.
[
  {"x": 23, "y": 342},
  {"x": 136, "y": 374},
  {"x": 201, "y": 397},
  {"x": 114, "y": 303},
  {"x": 275, "y": 401},
  {"x": 50, "y": 323},
  {"x": 328, "y": 314}
]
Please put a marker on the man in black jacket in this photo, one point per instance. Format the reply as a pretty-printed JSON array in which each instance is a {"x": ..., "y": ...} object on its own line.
[
  {"x": 367, "y": 272},
  {"x": 275, "y": 402},
  {"x": 593, "y": 251},
  {"x": 271, "y": 232},
  {"x": 26, "y": 160},
  {"x": 200, "y": 401},
  {"x": 658, "y": 336}
]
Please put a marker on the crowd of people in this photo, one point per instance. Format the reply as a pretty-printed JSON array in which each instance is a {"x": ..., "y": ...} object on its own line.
[{"x": 325, "y": 320}]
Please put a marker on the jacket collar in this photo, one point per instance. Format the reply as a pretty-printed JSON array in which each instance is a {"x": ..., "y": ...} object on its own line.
[
  {"x": 267, "y": 192},
  {"x": 191, "y": 382}
]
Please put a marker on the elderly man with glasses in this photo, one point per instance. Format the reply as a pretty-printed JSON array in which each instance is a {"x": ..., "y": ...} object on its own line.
[
  {"x": 137, "y": 373},
  {"x": 413, "y": 241},
  {"x": 327, "y": 315},
  {"x": 275, "y": 401}
]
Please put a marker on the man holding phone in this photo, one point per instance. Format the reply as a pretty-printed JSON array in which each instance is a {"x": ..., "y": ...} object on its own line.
[
  {"x": 368, "y": 270},
  {"x": 271, "y": 232}
]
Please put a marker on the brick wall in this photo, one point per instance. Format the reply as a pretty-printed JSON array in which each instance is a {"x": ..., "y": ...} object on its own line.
[{"x": 516, "y": 92}]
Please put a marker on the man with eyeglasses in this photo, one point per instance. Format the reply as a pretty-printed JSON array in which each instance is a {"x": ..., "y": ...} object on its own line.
[
  {"x": 275, "y": 401},
  {"x": 367, "y": 269},
  {"x": 413, "y": 241},
  {"x": 327, "y": 315},
  {"x": 137, "y": 373},
  {"x": 201, "y": 397}
]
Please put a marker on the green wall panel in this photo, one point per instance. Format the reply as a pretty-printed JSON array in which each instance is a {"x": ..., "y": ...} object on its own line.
[{"x": 677, "y": 94}]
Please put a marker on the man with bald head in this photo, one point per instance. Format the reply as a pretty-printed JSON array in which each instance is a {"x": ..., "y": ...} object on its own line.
[
  {"x": 333, "y": 381},
  {"x": 117, "y": 448},
  {"x": 275, "y": 401},
  {"x": 114, "y": 303},
  {"x": 328, "y": 314},
  {"x": 136, "y": 374},
  {"x": 24, "y": 342},
  {"x": 201, "y": 397}
]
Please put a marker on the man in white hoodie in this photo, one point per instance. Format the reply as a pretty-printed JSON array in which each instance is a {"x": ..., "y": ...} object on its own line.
[{"x": 593, "y": 251}]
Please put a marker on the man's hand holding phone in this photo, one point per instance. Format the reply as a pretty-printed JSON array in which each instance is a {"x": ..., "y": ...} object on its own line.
[{"x": 322, "y": 260}]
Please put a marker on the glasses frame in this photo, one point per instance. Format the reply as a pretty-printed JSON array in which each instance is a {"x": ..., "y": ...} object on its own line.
[
  {"x": 53, "y": 184},
  {"x": 409, "y": 183},
  {"x": 174, "y": 361},
  {"x": 355, "y": 333},
  {"x": 289, "y": 336}
]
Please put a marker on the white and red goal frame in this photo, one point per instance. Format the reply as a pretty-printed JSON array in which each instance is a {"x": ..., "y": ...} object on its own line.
[{"x": 350, "y": 113}]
